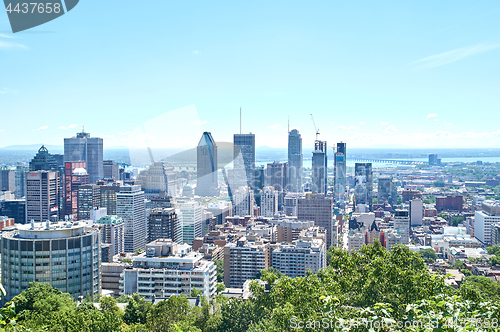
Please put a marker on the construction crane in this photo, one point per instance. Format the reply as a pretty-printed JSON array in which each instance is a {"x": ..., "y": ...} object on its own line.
[{"x": 317, "y": 130}]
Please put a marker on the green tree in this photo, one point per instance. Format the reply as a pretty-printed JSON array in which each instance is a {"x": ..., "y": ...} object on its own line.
[
  {"x": 493, "y": 250},
  {"x": 137, "y": 310},
  {"x": 429, "y": 255},
  {"x": 165, "y": 315},
  {"x": 489, "y": 289},
  {"x": 195, "y": 292},
  {"x": 219, "y": 265}
]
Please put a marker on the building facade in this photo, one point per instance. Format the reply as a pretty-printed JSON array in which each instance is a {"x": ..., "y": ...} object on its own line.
[
  {"x": 318, "y": 208},
  {"x": 244, "y": 160},
  {"x": 131, "y": 207},
  {"x": 163, "y": 223},
  {"x": 112, "y": 231},
  {"x": 42, "y": 195},
  {"x": 319, "y": 168},
  {"x": 295, "y": 161},
  {"x": 363, "y": 185},
  {"x": 82, "y": 147},
  {"x": 207, "y": 182},
  {"x": 339, "y": 177}
]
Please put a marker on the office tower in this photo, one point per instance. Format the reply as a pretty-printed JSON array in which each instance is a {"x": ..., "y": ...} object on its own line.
[
  {"x": 220, "y": 210},
  {"x": 7, "y": 179},
  {"x": 339, "y": 178},
  {"x": 277, "y": 175},
  {"x": 89, "y": 197},
  {"x": 65, "y": 256},
  {"x": 387, "y": 191},
  {"x": 391, "y": 237},
  {"x": 42, "y": 192},
  {"x": 20, "y": 176},
  {"x": 43, "y": 161},
  {"x": 176, "y": 268},
  {"x": 295, "y": 161},
  {"x": 111, "y": 170},
  {"x": 484, "y": 219},
  {"x": 243, "y": 202},
  {"x": 260, "y": 179},
  {"x": 162, "y": 201},
  {"x": 244, "y": 260},
  {"x": 190, "y": 217},
  {"x": 163, "y": 223},
  {"x": 112, "y": 230},
  {"x": 318, "y": 208},
  {"x": 15, "y": 209},
  {"x": 82, "y": 147},
  {"x": 288, "y": 229},
  {"x": 108, "y": 197},
  {"x": 434, "y": 160},
  {"x": 402, "y": 225},
  {"x": 207, "y": 183},
  {"x": 268, "y": 202},
  {"x": 296, "y": 258},
  {"x": 290, "y": 203},
  {"x": 319, "y": 168},
  {"x": 59, "y": 160},
  {"x": 363, "y": 184},
  {"x": 244, "y": 160},
  {"x": 158, "y": 177},
  {"x": 131, "y": 207},
  {"x": 416, "y": 212},
  {"x": 75, "y": 176}
]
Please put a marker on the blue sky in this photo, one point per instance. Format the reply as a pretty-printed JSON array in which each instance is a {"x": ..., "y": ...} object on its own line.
[{"x": 373, "y": 73}]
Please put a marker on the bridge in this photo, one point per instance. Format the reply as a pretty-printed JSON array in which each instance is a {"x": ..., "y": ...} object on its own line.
[{"x": 390, "y": 161}]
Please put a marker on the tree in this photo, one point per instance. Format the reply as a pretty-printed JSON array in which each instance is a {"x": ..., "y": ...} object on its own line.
[
  {"x": 195, "y": 292},
  {"x": 165, "y": 315},
  {"x": 429, "y": 255},
  {"x": 219, "y": 265},
  {"x": 438, "y": 183},
  {"x": 136, "y": 310},
  {"x": 488, "y": 288},
  {"x": 220, "y": 287},
  {"x": 493, "y": 250},
  {"x": 456, "y": 220}
]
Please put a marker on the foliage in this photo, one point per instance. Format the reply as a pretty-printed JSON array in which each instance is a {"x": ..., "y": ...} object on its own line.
[
  {"x": 456, "y": 220},
  {"x": 126, "y": 260},
  {"x": 195, "y": 292},
  {"x": 219, "y": 265},
  {"x": 429, "y": 255},
  {"x": 438, "y": 183},
  {"x": 488, "y": 288}
]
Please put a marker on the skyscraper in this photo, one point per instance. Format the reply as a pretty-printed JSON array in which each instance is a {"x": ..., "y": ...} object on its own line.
[
  {"x": 82, "y": 147},
  {"x": 42, "y": 193},
  {"x": 318, "y": 208},
  {"x": 319, "y": 168},
  {"x": 363, "y": 184},
  {"x": 277, "y": 175},
  {"x": 243, "y": 202},
  {"x": 164, "y": 223},
  {"x": 20, "y": 176},
  {"x": 75, "y": 176},
  {"x": 339, "y": 179},
  {"x": 158, "y": 177},
  {"x": 387, "y": 191},
  {"x": 190, "y": 215},
  {"x": 244, "y": 160},
  {"x": 111, "y": 170},
  {"x": 7, "y": 179},
  {"x": 269, "y": 202},
  {"x": 88, "y": 199},
  {"x": 206, "y": 174},
  {"x": 131, "y": 207},
  {"x": 295, "y": 161},
  {"x": 43, "y": 161},
  {"x": 402, "y": 225}
]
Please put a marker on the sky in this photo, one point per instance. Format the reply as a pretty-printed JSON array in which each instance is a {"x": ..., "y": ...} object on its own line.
[{"x": 159, "y": 73}]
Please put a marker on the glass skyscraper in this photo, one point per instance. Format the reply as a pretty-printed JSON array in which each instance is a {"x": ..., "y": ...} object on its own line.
[
  {"x": 206, "y": 174},
  {"x": 244, "y": 160},
  {"x": 295, "y": 161},
  {"x": 86, "y": 148}
]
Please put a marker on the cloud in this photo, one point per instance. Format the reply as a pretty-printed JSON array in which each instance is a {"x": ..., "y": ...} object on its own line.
[
  {"x": 7, "y": 91},
  {"x": 432, "y": 115},
  {"x": 453, "y": 55},
  {"x": 276, "y": 127},
  {"x": 195, "y": 52},
  {"x": 361, "y": 123},
  {"x": 4, "y": 35},
  {"x": 199, "y": 122},
  {"x": 125, "y": 133},
  {"x": 447, "y": 124},
  {"x": 347, "y": 127},
  {"x": 9, "y": 45},
  {"x": 43, "y": 128},
  {"x": 390, "y": 129},
  {"x": 383, "y": 123},
  {"x": 68, "y": 127}
]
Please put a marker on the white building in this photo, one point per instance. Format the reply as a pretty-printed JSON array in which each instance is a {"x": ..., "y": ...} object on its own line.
[
  {"x": 243, "y": 199},
  {"x": 416, "y": 212},
  {"x": 160, "y": 176},
  {"x": 355, "y": 240},
  {"x": 131, "y": 207},
  {"x": 391, "y": 238},
  {"x": 483, "y": 220},
  {"x": 268, "y": 202},
  {"x": 295, "y": 259},
  {"x": 168, "y": 268},
  {"x": 190, "y": 216}
]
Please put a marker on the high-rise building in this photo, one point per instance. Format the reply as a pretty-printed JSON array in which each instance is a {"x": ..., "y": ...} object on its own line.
[
  {"x": 7, "y": 179},
  {"x": 339, "y": 178},
  {"x": 131, "y": 207},
  {"x": 318, "y": 208},
  {"x": 65, "y": 256},
  {"x": 20, "y": 176},
  {"x": 159, "y": 177},
  {"x": 42, "y": 193},
  {"x": 75, "y": 175},
  {"x": 277, "y": 175},
  {"x": 402, "y": 225},
  {"x": 82, "y": 147},
  {"x": 484, "y": 219},
  {"x": 319, "y": 168},
  {"x": 15, "y": 209},
  {"x": 190, "y": 216},
  {"x": 172, "y": 269},
  {"x": 163, "y": 223},
  {"x": 295, "y": 161},
  {"x": 387, "y": 190},
  {"x": 108, "y": 197},
  {"x": 259, "y": 181},
  {"x": 244, "y": 260},
  {"x": 434, "y": 160},
  {"x": 220, "y": 210},
  {"x": 268, "y": 202},
  {"x": 416, "y": 212},
  {"x": 244, "y": 160},
  {"x": 88, "y": 198},
  {"x": 43, "y": 161},
  {"x": 111, "y": 170},
  {"x": 363, "y": 184},
  {"x": 296, "y": 258},
  {"x": 207, "y": 183},
  {"x": 112, "y": 233},
  {"x": 243, "y": 202}
]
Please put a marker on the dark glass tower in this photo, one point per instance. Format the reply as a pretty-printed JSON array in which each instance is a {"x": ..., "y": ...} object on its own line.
[
  {"x": 244, "y": 160},
  {"x": 319, "y": 168},
  {"x": 206, "y": 175},
  {"x": 295, "y": 160},
  {"x": 43, "y": 161},
  {"x": 86, "y": 148},
  {"x": 339, "y": 178},
  {"x": 363, "y": 180}
]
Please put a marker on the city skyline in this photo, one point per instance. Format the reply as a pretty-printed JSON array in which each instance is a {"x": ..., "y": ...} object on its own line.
[{"x": 372, "y": 75}]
